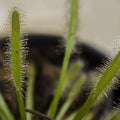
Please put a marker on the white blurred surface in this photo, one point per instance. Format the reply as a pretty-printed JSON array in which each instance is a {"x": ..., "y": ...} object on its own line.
[{"x": 98, "y": 26}]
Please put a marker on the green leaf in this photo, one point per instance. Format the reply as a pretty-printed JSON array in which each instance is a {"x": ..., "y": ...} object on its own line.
[
  {"x": 72, "y": 95},
  {"x": 16, "y": 60},
  {"x": 102, "y": 87},
  {"x": 30, "y": 91},
  {"x": 5, "y": 109},
  {"x": 115, "y": 115},
  {"x": 72, "y": 116},
  {"x": 2, "y": 116},
  {"x": 69, "y": 47},
  {"x": 71, "y": 74}
]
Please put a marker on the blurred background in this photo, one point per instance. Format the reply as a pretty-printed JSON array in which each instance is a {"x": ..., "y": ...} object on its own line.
[
  {"x": 98, "y": 25},
  {"x": 46, "y": 22}
]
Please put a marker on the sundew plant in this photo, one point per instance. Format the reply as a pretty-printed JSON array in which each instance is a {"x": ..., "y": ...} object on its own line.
[{"x": 102, "y": 87}]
